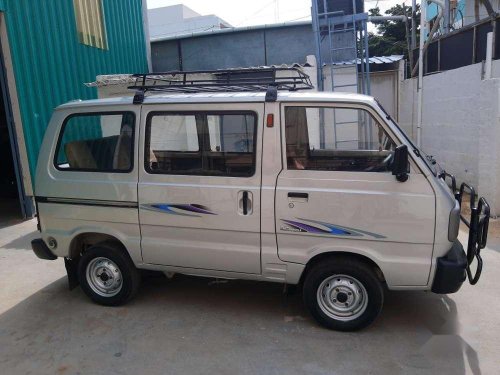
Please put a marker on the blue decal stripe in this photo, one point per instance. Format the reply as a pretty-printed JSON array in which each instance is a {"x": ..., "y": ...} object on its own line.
[
  {"x": 193, "y": 210},
  {"x": 352, "y": 231},
  {"x": 165, "y": 208},
  {"x": 304, "y": 227},
  {"x": 335, "y": 230}
]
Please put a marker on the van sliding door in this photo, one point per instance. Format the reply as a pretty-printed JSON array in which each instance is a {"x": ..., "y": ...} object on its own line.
[{"x": 199, "y": 190}]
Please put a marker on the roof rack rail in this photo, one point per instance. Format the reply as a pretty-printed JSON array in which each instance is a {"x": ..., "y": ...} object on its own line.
[{"x": 267, "y": 79}]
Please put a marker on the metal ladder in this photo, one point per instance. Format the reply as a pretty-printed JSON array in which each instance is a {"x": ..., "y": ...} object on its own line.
[
  {"x": 332, "y": 49},
  {"x": 337, "y": 23}
]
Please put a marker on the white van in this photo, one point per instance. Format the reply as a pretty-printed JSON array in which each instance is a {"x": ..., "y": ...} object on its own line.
[{"x": 238, "y": 174}]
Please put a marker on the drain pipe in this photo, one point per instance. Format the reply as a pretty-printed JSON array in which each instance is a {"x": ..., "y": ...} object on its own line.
[
  {"x": 489, "y": 55},
  {"x": 376, "y": 19},
  {"x": 413, "y": 25},
  {"x": 423, "y": 23}
]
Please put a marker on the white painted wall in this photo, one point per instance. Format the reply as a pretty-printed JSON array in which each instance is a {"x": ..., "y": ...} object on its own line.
[
  {"x": 342, "y": 75},
  {"x": 385, "y": 85},
  {"x": 460, "y": 125}
]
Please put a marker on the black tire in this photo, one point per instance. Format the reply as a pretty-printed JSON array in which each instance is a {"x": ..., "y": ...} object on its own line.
[
  {"x": 130, "y": 276},
  {"x": 347, "y": 269}
]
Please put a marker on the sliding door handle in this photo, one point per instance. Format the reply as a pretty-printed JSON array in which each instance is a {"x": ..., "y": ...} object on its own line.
[
  {"x": 293, "y": 194},
  {"x": 298, "y": 197},
  {"x": 245, "y": 202}
]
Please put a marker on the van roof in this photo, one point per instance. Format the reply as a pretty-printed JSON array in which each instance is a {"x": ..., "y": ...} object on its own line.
[{"x": 226, "y": 97}]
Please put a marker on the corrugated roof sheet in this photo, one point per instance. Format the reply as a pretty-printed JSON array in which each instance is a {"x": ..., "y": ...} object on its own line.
[{"x": 373, "y": 60}]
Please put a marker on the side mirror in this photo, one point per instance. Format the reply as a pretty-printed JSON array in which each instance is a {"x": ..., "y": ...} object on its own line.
[{"x": 400, "y": 163}]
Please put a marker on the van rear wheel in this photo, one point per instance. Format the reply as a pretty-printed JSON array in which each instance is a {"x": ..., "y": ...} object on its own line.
[
  {"x": 107, "y": 275},
  {"x": 343, "y": 294}
]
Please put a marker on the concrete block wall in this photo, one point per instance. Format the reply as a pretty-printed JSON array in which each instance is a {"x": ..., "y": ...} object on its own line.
[
  {"x": 241, "y": 47},
  {"x": 460, "y": 125},
  {"x": 235, "y": 48}
]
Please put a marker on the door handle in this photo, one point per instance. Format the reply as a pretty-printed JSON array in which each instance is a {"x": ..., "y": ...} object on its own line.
[
  {"x": 298, "y": 197},
  {"x": 293, "y": 194},
  {"x": 245, "y": 205}
]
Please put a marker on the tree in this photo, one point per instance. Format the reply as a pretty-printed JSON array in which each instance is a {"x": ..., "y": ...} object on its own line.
[{"x": 391, "y": 38}]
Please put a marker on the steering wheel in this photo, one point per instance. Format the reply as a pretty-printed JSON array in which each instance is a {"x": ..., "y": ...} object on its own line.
[
  {"x": 383, "y": 166},
  {"x": 388, "y": 159}
]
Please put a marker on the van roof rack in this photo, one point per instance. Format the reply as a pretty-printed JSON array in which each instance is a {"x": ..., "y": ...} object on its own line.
[{"x": 267, "y": 79}]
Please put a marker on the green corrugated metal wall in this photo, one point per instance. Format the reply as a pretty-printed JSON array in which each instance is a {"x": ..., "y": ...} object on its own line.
[{"x": 51, "y": 66}]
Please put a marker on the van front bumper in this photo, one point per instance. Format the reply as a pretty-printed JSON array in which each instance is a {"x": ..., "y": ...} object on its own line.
[
  {"x": 450, "y": 270},
  {"x": 41, "y": 250}
]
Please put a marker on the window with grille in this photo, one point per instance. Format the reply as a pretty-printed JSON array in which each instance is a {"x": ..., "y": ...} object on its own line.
[{"x": 90, "y": 23}]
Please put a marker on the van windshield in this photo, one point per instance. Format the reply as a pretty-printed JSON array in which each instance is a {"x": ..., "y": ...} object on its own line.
[{"x": 429, "y": 160}]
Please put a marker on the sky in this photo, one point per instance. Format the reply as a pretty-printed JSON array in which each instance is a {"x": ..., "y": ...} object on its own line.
[{"x": 259, "y": 12}]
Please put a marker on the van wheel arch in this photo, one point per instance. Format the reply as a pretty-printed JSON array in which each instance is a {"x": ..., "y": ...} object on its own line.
[
  {"x": 341, "y": 255},
  {"x": 85, "y": 240}
]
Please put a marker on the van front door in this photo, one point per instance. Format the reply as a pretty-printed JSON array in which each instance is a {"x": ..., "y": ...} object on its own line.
[
  {"x": 199, "y": 190},
  {"x": 337, "y": 194}
]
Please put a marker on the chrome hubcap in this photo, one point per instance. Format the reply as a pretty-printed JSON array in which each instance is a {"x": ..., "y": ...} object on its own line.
[
  {"x": 342, "y": 297},
  {"x": 104, "y": 277}
]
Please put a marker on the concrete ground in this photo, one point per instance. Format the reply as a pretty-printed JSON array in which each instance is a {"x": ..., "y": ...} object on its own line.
[{"x": 193, "y": 325}]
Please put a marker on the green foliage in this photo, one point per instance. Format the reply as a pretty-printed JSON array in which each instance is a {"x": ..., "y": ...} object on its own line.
[{"x": 390, "y": 38}]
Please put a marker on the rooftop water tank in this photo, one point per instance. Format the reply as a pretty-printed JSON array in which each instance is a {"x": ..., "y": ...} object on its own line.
[{"x": 346, "y": 6}]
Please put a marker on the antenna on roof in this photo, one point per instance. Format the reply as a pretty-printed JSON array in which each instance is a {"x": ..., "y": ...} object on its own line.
[{"x": 266, "y": 79}]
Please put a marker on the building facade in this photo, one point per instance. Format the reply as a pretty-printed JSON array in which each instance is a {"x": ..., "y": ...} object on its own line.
[
  {"x": 49, "y": 50},
  {"x": 464, "y": 12},
  {"x": 179, "y": 20},
  {"x": 286, "y": 43}
]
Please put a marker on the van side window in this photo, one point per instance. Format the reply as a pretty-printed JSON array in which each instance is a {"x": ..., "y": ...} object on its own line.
[
  {"x": 335, "y": 139},
  {"x": 96, "y": 142},
  {"x": 201, "y": 143}
]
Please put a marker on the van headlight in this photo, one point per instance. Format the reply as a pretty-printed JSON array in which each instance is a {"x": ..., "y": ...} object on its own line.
[{"x": 454, "y": 223}]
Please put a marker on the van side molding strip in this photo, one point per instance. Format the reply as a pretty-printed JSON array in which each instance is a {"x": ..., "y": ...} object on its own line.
[{"x": 87, "y": 202}]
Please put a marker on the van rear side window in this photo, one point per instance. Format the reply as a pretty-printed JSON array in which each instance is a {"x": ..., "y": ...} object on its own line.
[
  {"x": 201, "y": 143},
  {"x": 96, "y": 142}
]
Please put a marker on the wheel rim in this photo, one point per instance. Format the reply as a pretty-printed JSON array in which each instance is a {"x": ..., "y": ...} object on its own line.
[
  {"x": 104, "y": 277},
  {"x": 342, "y": 297}
]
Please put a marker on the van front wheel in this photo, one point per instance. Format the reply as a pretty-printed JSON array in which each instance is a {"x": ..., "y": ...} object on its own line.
[
  {"x": 343, "y": 294},
  {"x": 107, "y": 275}
]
